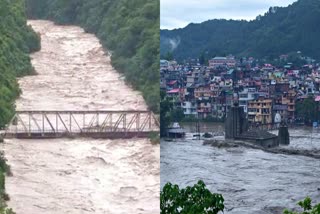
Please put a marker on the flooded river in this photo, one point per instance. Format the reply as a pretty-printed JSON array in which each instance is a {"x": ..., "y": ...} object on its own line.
[
  {"x": 251, "y": 181},
  {"x": 79, "y": 175}
]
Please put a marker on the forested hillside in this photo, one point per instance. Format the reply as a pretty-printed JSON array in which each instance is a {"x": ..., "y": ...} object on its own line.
[
  {"x": 279, "y": 31},
  {"x": 17, "y": 40},
  {"x": 130, "y": 29}
]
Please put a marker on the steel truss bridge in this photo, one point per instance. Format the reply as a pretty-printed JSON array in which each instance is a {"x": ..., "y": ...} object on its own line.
[{"x": 95, "y": 124}]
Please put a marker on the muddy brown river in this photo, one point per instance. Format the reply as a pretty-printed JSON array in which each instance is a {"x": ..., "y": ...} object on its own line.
[
  {"x": 79, "y": 175},
  {"x": 252, "y": 181}
]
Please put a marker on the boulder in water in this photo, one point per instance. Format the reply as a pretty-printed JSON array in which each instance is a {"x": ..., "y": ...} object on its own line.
[{"x": 207, "y": 135}]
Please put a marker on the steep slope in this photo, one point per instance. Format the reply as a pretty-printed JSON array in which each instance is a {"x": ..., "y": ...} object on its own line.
[
  {"x": 278, "y": 31},
  {"x": 129, "y": 29},
  {"x": 17, "y": 40}
]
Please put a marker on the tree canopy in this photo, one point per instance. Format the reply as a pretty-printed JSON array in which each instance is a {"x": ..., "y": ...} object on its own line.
[
  {"x": 280, "y": 30},
  {"x": 17, "y": 40},
  {"x": 195, "y": 199},
  {"x": 307, "y": 207},
  {"x": 128, "y": 29}
]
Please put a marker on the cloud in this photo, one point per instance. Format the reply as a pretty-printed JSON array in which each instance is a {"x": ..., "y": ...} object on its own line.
[
  {"x": 174, "y": 43},
  {"x": 179, "y": 13}
]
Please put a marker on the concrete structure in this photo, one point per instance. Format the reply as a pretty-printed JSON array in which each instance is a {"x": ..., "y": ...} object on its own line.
[
  {"x": 164, "y": 64},
  {"x": 236, "y": 123},
  {"x": 283, "y": 136},
  {"x": 261, "y": 138},
  {"x": 189, "y": 108},
  {"x": 248, "y": 94},
  {"x": 236, "y": 127},
  {"x": 260, "y": 111},
  {"x": 176, "y": 131},
  {"x": 222, "y": 62}
]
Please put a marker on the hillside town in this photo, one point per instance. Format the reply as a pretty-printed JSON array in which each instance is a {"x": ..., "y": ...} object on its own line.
[{"x": 263, "y": 89}]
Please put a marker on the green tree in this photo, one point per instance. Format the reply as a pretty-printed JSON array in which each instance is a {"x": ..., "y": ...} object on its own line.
[
  {"x": 176, "y": 115},
  {"x": 278, "y": 31},
  {"x": 202, "y": 59},
  {"x": 308, "y": 109},
  {"x": 307, "y": 207},
  {"x": 17, "y": 40},
  {"x": 165, "y": 109},
  {"x": 129, "y": 29},
  {"x": 168, "y": 56},
  {"x": 196, "y": 199}
]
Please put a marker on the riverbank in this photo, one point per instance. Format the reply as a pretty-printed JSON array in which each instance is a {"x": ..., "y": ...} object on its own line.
[{"x": 17, "y": 41}]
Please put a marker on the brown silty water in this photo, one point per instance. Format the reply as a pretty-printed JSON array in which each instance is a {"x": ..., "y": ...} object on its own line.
[{"x": 79, "y": 175}]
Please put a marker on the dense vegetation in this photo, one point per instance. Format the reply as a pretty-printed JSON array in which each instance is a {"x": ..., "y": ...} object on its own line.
[
  {"x": 198, "y": 199},
  {"x": 17, "y": 40},
  {"x": 195, "y": 199},
  {"x": 4, "y": 168},
  {"x": 308, "y": 110},
  {"x": 130, "y": 29},
  {"x": 307, "y": 207},
  {"x": 279, "y": 31}
]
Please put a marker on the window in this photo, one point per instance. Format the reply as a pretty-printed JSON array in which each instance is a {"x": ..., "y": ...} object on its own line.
[{"x": 243, "y": 95}]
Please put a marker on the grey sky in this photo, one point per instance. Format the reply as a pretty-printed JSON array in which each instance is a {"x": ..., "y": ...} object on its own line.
[{"x": 179, "y": 13}]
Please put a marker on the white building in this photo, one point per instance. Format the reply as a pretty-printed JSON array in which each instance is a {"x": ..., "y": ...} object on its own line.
[
  {"x": 245, "y": 96},
  {"x": 189, "y": 108}
]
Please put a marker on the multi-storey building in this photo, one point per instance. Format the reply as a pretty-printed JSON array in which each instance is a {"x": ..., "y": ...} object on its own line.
[
  {"x": 245, "y": 96},
  {"x": 260, "y": 111},
  {"x": 222, "y": 62}
]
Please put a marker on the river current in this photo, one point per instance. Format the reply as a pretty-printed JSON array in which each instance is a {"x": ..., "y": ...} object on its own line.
[
  {"x": 79, "y": 175},
  {"x": 252, "y": 181}
]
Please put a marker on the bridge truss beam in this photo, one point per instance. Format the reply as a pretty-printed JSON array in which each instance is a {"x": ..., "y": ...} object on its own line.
[{"x": 100, "y": 124}]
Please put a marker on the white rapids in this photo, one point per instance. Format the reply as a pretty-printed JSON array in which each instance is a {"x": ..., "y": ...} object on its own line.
[{"x": 79, "y": 175}]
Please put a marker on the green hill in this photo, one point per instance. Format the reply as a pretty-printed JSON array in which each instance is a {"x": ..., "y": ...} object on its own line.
[
  {"x": 130, "y": 29},
  {"x": 279, "y": 31},
  {"x": 17, "y": 40}
]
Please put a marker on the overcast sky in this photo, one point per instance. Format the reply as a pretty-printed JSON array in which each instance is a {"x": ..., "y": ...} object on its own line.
[{"x": 179, "y": 13}]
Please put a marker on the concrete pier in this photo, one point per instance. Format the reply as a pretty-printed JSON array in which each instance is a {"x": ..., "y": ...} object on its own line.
[
  {"x": 283, "y": 135},
  {"x": 236, "y": 123}
]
